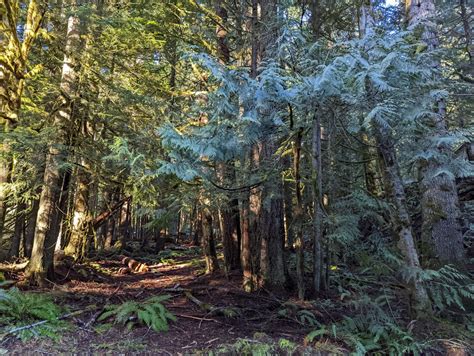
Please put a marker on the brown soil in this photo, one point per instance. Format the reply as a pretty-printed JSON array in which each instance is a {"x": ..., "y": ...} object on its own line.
[{"x": 195, "y": 329}]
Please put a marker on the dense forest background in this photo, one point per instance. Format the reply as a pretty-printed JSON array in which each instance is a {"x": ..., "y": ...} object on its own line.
[{"x": 321, "y": 150}]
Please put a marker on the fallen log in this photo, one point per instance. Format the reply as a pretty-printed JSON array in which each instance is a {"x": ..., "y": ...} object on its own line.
[{"x": 132, "y": 266}]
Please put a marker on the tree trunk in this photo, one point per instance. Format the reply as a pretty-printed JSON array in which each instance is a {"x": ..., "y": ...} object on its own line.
[
  {"x": 124, "y": 227},
  {"x": 41, "y": 262},
  {"x": 226, "y": 171},
  {"x": 299, "y": 215},
  {"x": 467, "y": 33},
  {"x": 18, "y": 231},
  {"x": 317, "y": 201},
  {"x": 81, "y": 220},
  {"x": 4, "y": 174},
  {"x": 441, "y": 226},
  {"x": 271, "y": 228},
  {"x": 394, "y": 186},
  {"x": 12, "y": 77},
  {"x": 401, "y": 216},
  {"x": 289, "y": 218},
  {"x": 208, "y": 243},
  {"x": 197, "y": 229},
  {"x": 30, "y": 229},
  {"x": 250, "y": 281},
  {"x": 250, "y": 205}
]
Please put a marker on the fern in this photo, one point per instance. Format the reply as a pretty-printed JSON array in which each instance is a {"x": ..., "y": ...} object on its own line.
[
  {"x": 448, "y": 287},
  {"x": 19, "y": 309},
  {"x": 371, "y": 329},
  {"x": 151, "y": 313}
]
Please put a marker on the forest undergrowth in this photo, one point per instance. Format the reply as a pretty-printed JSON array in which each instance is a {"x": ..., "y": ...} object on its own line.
[
  {"x": 176, "y": 308},
  {"x": 247, "y": 177}
]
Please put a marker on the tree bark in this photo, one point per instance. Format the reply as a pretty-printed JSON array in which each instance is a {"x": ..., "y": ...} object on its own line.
[
  {"x": 81, "y": 219},
  {"x": 441, "y": 226},
  {"x": 250, "y": 205},
  {"x": 401, "y": 216},
  {"x": 467, "y": 32},
  {"x": 230, "y": 215},
  {"x": 317, "y": 201},
  {"x": 250, "y": 281},
  {"x": 30, "y": 229},
  {"x": 18, "y": 231},
  {"x": 394, "y": 186},
  {"x": 13, "y": 70},
  {"x": 41, "y": 262},
  {"x": 124, "y": 224},
  {"x": 269, "y": 227},
  {"x": 289, "y": 216},
  {"x": 299, "y": 215},
  {"x": 208, "y": 243},
  {"x": 4, "y": 174}
]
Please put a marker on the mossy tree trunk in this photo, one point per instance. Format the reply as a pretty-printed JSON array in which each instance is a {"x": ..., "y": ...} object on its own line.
[
  {"x": 56, "y": 174},
  {"x": 441, "y": 226}
]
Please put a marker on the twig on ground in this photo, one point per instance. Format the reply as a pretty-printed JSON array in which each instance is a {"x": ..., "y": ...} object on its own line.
[
  {"x": 196, "y": 318},
  {"x": 42, "y": 322}
]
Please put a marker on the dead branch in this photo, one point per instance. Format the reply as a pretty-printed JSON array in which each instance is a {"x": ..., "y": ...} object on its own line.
[
  {"x": 13, "y": 267},
  {"x": 42, "y": 322}
]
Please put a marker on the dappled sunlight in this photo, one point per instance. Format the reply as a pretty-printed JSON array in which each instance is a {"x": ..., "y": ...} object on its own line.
[{"x": 236, "y": 177}]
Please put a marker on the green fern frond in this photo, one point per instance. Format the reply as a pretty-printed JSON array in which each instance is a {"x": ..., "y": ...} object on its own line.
[{"x": 151, "y": 313}]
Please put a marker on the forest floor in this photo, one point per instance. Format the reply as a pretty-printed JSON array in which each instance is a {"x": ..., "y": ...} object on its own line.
[{"x": 260, "y": 323}]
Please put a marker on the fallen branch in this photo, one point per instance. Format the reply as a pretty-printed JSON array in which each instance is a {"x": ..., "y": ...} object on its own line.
[
  {"x": 210, "y": 309},
  {"x": 13, "y": 267},
  {"x": 105, "y": 215},
  {"x": 196, "y": 318},
  {"x": 42, "y": 322},
  {"x": 179, "y": 290},
  {"x": 204, "y": 306}
]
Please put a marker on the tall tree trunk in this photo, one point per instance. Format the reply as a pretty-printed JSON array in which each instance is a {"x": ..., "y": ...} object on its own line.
[
  {"x": 250, "y": 282},
  {"x": 4, "y": 174},
  {"x": 41, "y": 262},
  {"x": 441, "y": 226},
  {"x": 396, "y": 189},
  {"x": 230, "y": 215},
  {"x": 299, "y": 214},
  {"x": 13, "y": 73},
  {"x": 197, "y": 236},
  {"x": 270, "y": 226},
  {"x": 316, "y": 166},
  {"x": 110, "y": 200},
  {"x": 124, "y": 224},
  {"x": 250, "y": 204},
  {"x": 271, "y": 229},
  {"x": 18, "y": 231},
  {"x": 401, "y": 216},
  {"x": 231, "y": 235},
  {"x": 317, "y": 201},
  {"x": 289, "y": 216},
  {"x": 30, "y": 229},
  {"x": 208, "y": 243},
  {"x": 81, "y": 219},
  {"x": 467, "y": 33}
]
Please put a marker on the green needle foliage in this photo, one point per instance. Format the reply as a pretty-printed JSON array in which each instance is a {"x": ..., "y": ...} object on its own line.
[{"x": 151, "y": 313}]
